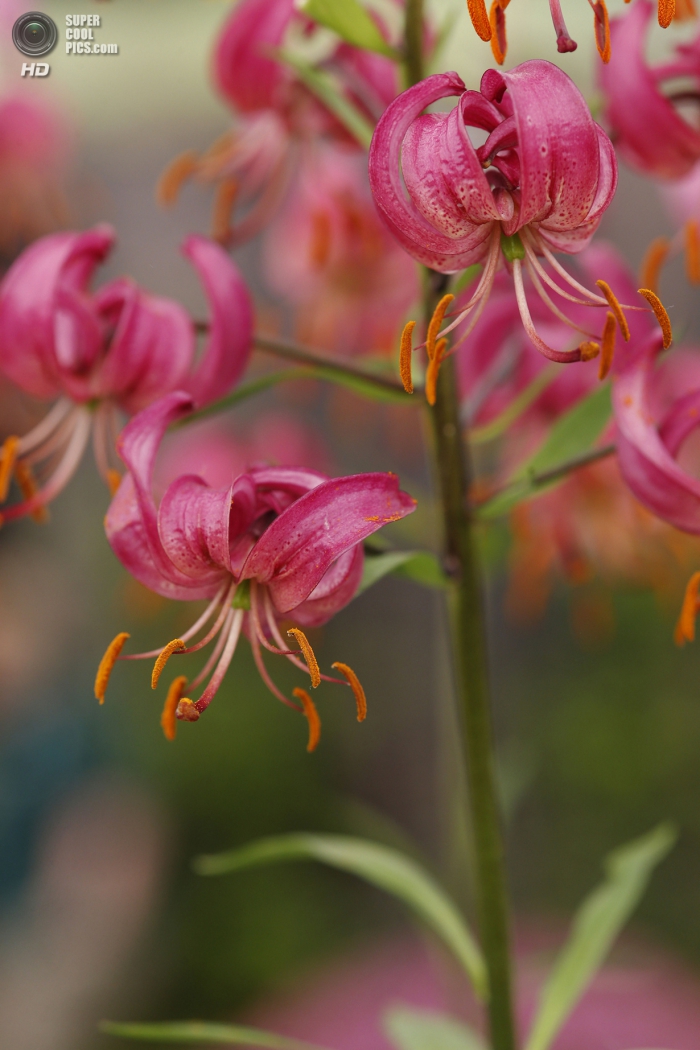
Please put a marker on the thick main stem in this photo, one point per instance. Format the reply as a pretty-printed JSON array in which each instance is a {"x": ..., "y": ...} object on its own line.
[{"x": 453, "y": 471}]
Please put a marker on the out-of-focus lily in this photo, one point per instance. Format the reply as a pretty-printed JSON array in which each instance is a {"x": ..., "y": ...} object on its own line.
[
  {"x": 330, "y": 254},
  {"x": 275, "y": 112},
  {"x": 643, "y": 103},
  {"x": 115, "y": 350},
  {"x": 277, "y": 543}
]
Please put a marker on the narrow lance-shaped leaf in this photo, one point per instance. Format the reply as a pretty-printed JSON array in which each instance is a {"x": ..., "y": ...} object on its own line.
[
  {"x": 204, "y": 1032},
  {"x": 420, "y": 566},
  {"x": 410, "y": 1029},
  {"x": 596, "y": 926},
  {"x": 380, "y": 865},
  {"x": 350, "y": 20}
]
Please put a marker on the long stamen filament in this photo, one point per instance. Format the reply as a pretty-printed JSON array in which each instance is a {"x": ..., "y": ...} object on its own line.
[
  {"x": 222, "y": 667},
  {"x": 544, "y": 296},
  {"x": 215, "y": 653},
  {"x": 191, "y": 631},
  {"x": 35, "y": 499},
  {"x": 563, "y": 357},
  {"x": 262, "y": 670}
]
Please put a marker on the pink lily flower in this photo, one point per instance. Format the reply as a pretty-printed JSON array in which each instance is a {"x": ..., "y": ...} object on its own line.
[
  {"x": 332, "y": 257},
  {"x": 644, "y": 118},
  {"x": 105, "y": 353},
  {"x": 278, "y": 542},
  {"x": 539, "y": 184},
  {"x": 276, "y": 114}
]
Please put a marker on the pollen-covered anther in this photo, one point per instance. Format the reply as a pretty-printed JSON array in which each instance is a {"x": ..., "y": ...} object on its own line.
[
  {"x": 601, "y": 27},
  {"x": 171, "y": 181},
  {"x": 616, "y": 309},
  {"x": 692, "y": 252},
  {"x": 589, "y": 350},
  {"x": 311, "y": 717},
  {"x": 406, "y": 351},
  {"x": 186, "y": 711},
  {"x": 660, "y": 314},
  {"x": 652, "y": 263},
  {"x": 176, "y": 646},
  {"x": 608, "y": 345},
  {"x": 685, "y": 627},
  {"x": 107, "y": 663},
  {"x": 667, "y": 9},
  {"x": 224, "y": 201},
  {"x": 356, "y": 686},
  {"x": 499, "y": 39},
  {"x": 114, "y": 480},
  {"x": 480, "y": 19},
  {"x": 168, "y": 721},
  {"x": 308, "y": 654},
  {"x": 7, "y": 463},
  {"x": 29, "y": 489},
  {"x": 435, "y": 322},
  {"x": 431, "y": 375}
]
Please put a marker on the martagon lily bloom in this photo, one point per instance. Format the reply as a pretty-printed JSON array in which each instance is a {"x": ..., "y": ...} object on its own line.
[
  {"x": 539, "y": 184},
  {"x": 277, "y": 543},
  {"x": 276, "y": 114},
  {"x": 104, "y": 353}
]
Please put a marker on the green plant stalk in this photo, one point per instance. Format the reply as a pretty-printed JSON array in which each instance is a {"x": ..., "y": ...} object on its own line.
[
  {"x": 453, "y": 472},
  {"x": 413, "y": 42}
]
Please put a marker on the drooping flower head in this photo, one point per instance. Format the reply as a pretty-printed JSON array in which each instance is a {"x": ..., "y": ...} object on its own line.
[
  {"x": 329, "y": 253},
  {"x": 278, "y": 543},
  {"x": 104, "y": 353},
  {"x": 539, "y": 184},
  {"x": 275, "y": 112}
]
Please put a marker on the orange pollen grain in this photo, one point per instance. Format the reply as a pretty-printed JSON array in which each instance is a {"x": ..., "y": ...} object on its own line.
[
  {"x": 667, "y": 9},
  {"x": 608, "y": 347},
  {"x": 431, "y": 376},
  {"x": 654, "y": 258},
  {"x": 405, "y": 357},
  {"x": 692, "y": 252},
  {"x": 107, "y": 663},
  {"x": 168, "y": 721},
  {"x": 9, "y": 458},
  {"x": 480, "y": 19},
  {"x": 176, "y": 646},
  {"x": 223, "y": 209},
  {"x": 28, "y": 487},
  {"x": 499, "y": 39},
  {"x": 311, "y": 717},
  {"x": 434, "y": 326},
  {"x": 589, "y": 350},
  {"x": 685, "y": 628},
  {"x": 114, "y": 480},
  {"x": 308, "y": 654},
  {"x": 178, "y": 171},
  {"x": 616, "y": 309},
  {"x": 355, "y": 685},
  {"x": 660, "y": 314},
  {"x": 601, "y": 26}
]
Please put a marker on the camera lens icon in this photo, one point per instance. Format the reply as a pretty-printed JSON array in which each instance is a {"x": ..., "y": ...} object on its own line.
[{"x": 34, "y": 33}]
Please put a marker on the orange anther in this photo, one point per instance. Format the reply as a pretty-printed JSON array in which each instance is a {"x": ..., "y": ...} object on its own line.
[
  {"x": 616, "y": 309},
  {"x": 608, "y": 347},
  {"x": 28, "y": 488},
  {"x": 660, "y": 314},
  {"x": 601, "y": 26},
  {"x": 107, "y": 663},
  {"x": 311, "y": 717},
  {"x": 178, "y": 171},
  {"x": 308, "y": 654},
  {"x": 654, "y": 258},
  {"x": 7, "y": 463},
  {"x": 405, "y": 357},
  {"x": 321, "y": 239},
  {"x": 114, "y": 480},
  {"x": 667, "y": 9},
  {"x": 589, "y": 350},
  {"x": 692, "y": 252},
  {"x": 176, "y": 646},
  {"x": 499, "y": 40},
  {"x": 168, "y": 720},
  {"x": 355, "y": 685},
  {"x": 431, "y": 376},
  {"x": 223, "y": 209},
  {"x": 186, "y": 711},
  {"x": 435, "y": 322},
  {"x": 685, "y": 628},
  {"x": 480, "y": 20}
]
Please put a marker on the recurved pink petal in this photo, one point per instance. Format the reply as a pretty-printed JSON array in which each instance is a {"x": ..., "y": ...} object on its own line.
[
  {"x": 337, "y": 587},
  {"x": 243, "y": 70},
  {"x": 295, "y": 552},
  {"x": 193, "y": 523}
]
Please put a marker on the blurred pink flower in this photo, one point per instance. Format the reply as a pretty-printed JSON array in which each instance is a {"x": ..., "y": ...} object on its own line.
[
  {"x": 276, "y": 541},
  {"x": 104, "y": 353},
  {"x": 330, "y": 255},
  {"x": 539, "y": 184}
]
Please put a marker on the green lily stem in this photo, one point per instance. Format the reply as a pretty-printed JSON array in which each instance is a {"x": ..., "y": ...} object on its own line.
[
  {"x": 453, "y": 470},
  {"x": 413, "y": 42}
]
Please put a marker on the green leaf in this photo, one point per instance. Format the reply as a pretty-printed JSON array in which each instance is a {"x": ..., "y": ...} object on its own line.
[
  {"x": 571, "y": 436},
  {"x": 519, "y": 404},
  {"x": 595, "y": 928},
  {"x": 420, "y": 566},
  {"x": 465, "y": 278},
  {"x": 203, "y": 1032},
  {"x": 376, "y": 391},
  {"x": 324, "y": 87},
  {"x": 351, "y": 21},
  {"x": 410, "y": 1029},
  {"x": 380, "y": 865}
]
